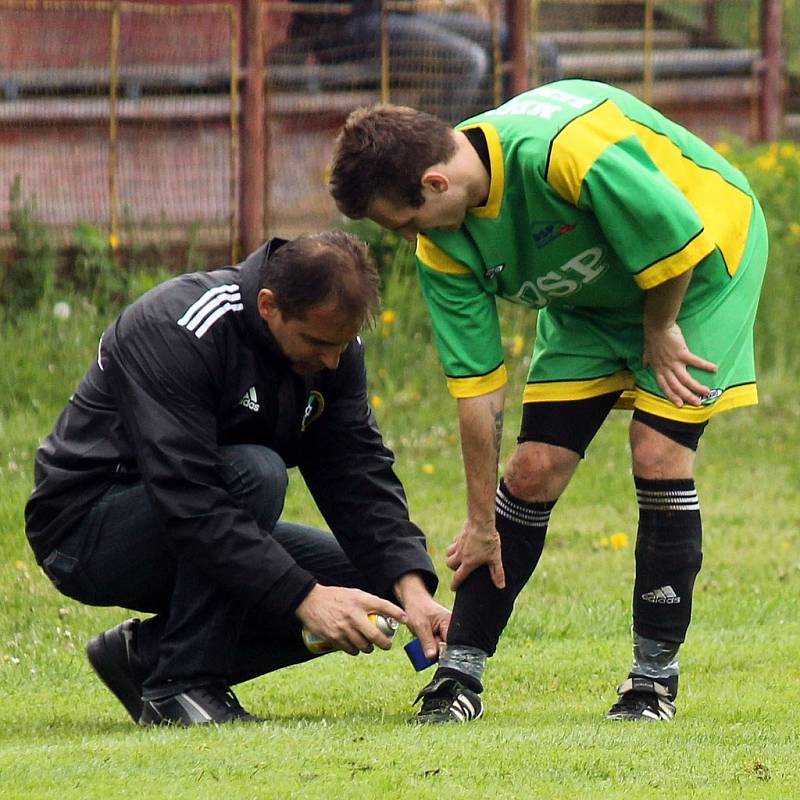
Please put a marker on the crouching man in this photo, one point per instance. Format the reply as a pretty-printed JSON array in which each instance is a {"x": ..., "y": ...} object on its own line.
[{"x": 162, "y": 484}]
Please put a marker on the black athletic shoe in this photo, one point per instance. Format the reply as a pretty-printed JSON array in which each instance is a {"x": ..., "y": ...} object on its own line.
[
  {"x": 446, "y": 699},
  {"x": 113, "y": 656},
  {"x": 201, "y": 705},
  {"x": 643, "y": 698}
]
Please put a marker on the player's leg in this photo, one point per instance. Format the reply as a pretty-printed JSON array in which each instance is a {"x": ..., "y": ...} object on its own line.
[
  {"x": 668, "y": 558},
  {"x": 535, "y": 477},
  {"x": 663, "y": 442}
]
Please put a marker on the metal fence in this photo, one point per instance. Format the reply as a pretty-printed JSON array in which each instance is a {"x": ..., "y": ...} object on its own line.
[
  {"x": 123, "y": 114},
  {"x": 216, "y": 120}
]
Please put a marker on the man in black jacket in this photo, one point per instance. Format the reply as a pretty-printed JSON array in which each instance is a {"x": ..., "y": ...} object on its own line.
[{"x": 161, "y": 486}]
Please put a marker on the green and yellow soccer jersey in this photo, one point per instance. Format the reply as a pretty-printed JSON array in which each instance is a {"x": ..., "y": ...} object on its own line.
[{"x": 594, "y": 198}]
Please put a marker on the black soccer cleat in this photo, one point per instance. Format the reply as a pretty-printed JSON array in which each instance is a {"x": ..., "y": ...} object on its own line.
[
  {"x": 201, "y": 705},
  {"x": 643, "y": 698},
  {"x": 113, "y": 657},
  {"x": 446, "y": 699}
]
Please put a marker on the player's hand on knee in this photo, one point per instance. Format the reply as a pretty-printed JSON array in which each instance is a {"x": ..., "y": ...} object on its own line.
[
  {"x": 341, "y": 616},
  {"x": 474, "y": 547}
]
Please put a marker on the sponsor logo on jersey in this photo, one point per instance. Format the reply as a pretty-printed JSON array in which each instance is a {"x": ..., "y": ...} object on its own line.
[
  {"x": 711, "y": 397},
  {"x": 493, "y": 272},
  {"x": 250, "y": 400},
  {"x": 562, "y": 281},
  {"x": 315, "y": 405},
  {"x": 546, "y": 232}
]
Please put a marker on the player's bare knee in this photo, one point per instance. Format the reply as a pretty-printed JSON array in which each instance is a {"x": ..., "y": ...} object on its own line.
[
  {"x": 657, "y": 457},
  {"x": 539, "y": 472}
]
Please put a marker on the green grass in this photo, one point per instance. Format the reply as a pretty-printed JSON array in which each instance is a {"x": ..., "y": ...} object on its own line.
[{"x": 336, "y": 727}]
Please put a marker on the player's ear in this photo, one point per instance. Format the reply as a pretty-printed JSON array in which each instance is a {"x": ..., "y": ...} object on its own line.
[
  {"x": 267, "y": 304},
  {"x": 436, "y": 181}
]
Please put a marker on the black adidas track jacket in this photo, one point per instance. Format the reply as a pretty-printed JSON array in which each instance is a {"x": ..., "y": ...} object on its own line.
[{"x": 191, "y": 366}]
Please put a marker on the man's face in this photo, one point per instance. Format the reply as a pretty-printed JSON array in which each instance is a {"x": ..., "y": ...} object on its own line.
[
  {"x": 311, "y": 343},
  {"x": 443, "y": 209}
]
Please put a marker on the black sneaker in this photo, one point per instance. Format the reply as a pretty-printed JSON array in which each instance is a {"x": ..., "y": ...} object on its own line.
[
  {"x": 201, "y": 705},
  {"x": 446, "y": 699},
  {"x": 644, "y": 698},
  {"x": 113, "y": 656}
]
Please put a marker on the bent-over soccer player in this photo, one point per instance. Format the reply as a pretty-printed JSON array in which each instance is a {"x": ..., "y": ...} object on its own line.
[{"x": 643, "y": 251}]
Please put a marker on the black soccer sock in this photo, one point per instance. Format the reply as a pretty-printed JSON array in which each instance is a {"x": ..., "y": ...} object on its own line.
[
  {"x": 481, "y": 610},
  {"x": 668, "y": 558}
]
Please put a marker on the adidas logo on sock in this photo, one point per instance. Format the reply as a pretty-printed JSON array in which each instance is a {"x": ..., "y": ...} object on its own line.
[
  {"x": 250, "y": 399},
  {"x": 666, "y": 594}
]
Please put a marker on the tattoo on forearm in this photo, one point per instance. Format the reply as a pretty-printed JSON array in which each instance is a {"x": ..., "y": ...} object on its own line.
[{"x": 498, "y": 434}]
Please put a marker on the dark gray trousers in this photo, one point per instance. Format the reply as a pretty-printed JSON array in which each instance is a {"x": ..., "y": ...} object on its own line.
[{"x": 119, "y": 555}]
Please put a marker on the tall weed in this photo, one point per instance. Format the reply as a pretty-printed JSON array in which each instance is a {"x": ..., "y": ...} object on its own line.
[{"x": 31, "y": 274}]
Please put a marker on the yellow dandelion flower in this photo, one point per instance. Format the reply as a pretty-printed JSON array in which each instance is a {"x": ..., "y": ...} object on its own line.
[
  {"x": 618, "y": 541},
  {"x": 788, "y": 150},
  {"x": 723, "y": 148},
  {"x": 794, "y": 229},
  {"x": 376, "y": 400},
  {"x": 428, "y": 469},
  {"x": 517, "y": 345},
  {"x": 20, "y": 565},
  {"x": 113, "y": 241},
  {"x": 389, "y": 317},
  {"x": 766, "y": 162}
]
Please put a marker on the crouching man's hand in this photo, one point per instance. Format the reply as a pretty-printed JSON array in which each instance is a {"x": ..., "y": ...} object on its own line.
[
  {"x": 340, "y": 616},
  {"x": 428, "y": 619}
]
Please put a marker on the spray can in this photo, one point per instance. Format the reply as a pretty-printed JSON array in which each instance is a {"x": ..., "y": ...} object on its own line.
[{"x": 317, "y": 645}]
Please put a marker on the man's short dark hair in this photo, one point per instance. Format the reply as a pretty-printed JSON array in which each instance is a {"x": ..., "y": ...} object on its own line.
[
  {"x": 317, "y": 268},
  {"x": 384, "y": 151}
]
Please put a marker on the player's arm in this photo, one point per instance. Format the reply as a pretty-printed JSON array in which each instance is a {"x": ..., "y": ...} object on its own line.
[
  {"x": 665, "y": 350},
  {"x": 467, "y": 334},
  {"x": 481, "y": 425}
]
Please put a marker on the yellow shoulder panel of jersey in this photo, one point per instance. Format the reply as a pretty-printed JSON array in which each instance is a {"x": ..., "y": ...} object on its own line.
[
  {"x": 436, "y": 259},
  {"x": 724, "y": 208},
  {"x": 584, "y": 139}
]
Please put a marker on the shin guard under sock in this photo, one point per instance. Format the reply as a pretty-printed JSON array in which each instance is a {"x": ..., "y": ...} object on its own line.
[
  {"x": 481, "y": 610},
  {"x": 668, "y": 558}
]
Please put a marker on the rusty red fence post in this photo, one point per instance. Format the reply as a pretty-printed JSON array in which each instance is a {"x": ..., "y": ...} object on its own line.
[
  {"x": 771, "y": 78},
  {"x": 253, "y": 140},
  {"x": 517, "y": 20}
]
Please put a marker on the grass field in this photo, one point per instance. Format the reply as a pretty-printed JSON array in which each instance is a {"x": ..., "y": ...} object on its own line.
[{"x": 336, "y": 727}]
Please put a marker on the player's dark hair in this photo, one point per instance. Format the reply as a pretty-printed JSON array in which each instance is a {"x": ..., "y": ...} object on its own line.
[
  {"x": 315, "y": 269},
  {"x": 384, "y": 151}
]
